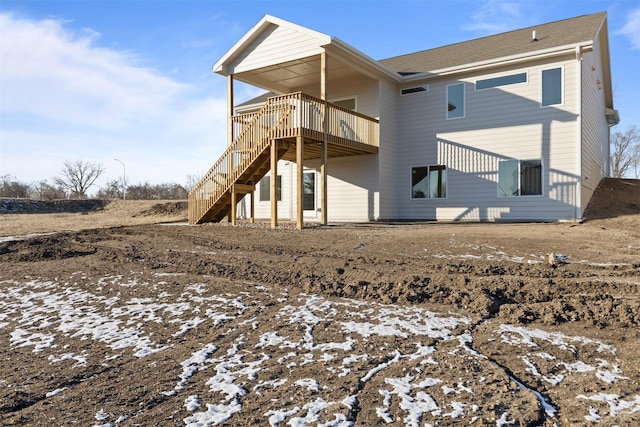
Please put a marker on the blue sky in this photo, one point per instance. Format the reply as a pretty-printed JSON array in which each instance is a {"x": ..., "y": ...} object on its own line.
[{"x": 99, "y": 80}]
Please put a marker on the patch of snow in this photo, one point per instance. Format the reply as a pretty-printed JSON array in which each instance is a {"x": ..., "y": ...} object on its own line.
[
  {"x": 194, "y": 364},
  {"x": 192, "y": 403},
  {"x": 56, "y": 391},
  {"x": 308, "y": 383},
  {"x": 277, "y": 416},
  {"x": 617, "y": 405},
  {"x": 503, "y": 420},
  {"x": 215, "y": 414}
]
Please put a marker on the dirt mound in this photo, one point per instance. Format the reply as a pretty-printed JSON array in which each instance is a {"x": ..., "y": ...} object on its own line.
[
  {"x": 614, "y": 197},
  {"x": 167, "y": 208}
]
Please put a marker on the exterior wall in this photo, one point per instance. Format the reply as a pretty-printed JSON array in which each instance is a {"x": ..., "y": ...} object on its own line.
[
  {"x": 365, "y": 91},
  {"x": 595, "y": 129},
  {"x": 277, "y": 45},
  {"x": 505, "y": 122},
  {"x": 286, "y": 206},
  {"x": 387, "y": 153},
  {"x": 352, "y": 191}
]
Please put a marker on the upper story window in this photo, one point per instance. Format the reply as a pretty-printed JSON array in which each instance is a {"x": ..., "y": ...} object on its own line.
[
  {"x": 347, "y": 103},
  {"x": 501, "y": 81},
  {"x": 455, "y": 101},
  {"x": 417, "y": 89},
  {"x": 551, "y": 87}
]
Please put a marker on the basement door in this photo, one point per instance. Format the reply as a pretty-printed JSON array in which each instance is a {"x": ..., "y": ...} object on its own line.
[{"x": 309, "y": 194}]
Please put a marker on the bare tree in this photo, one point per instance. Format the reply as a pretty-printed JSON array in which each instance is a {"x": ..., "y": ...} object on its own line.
[
  {"x": 192, "y": 181},
  {"x": 42, "y": 190},
  {"x": 111, "y": 190},
  {"x": 625, "y": 152},
  {"x": 76, "y": 177},
  {"x": 10, "y": 187}
]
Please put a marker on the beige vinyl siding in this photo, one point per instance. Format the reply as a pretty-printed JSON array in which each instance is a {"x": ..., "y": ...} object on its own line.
[
  {"x": 505, "y": 122},
  {"x": 387, "y": 152},
  {"x": 285, "y": 210},
  {"x": 365, "y": 91},
  {"x": 595, "y": 130},
  {"x": 277, "y": 45},
  {"x": 352, "y": 188}
]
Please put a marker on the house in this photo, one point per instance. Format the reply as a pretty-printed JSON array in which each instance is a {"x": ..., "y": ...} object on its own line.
[{"x": 509, "y": 127}]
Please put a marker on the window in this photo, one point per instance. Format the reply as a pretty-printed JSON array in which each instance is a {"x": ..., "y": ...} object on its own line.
[
  {"x": 265, "y": 188},
  {"x": 501, "y": 81},
  {"x": 417, "y": 89},
  {"x": 455, "y": 101},
  {"x": 519, "y": 178},
  {"x": 347, "y": 103},
  {"x": 552, "y": 87},
  {"x": 309, "y": 191},
  {"x": 428, "y": 182}
]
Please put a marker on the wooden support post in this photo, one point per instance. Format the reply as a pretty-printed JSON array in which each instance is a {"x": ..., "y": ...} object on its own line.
[
  {"x": 253, "y": 207},
  {"x": 234, "y": 204},
  {"x": 229, "y": 109},
  {"x": 323, "y": 149},
  {"x": 323, "y": 182},
  {"x": 300, "y": 187},
  {"x": 274, "y": 183},
  {"x": 231, "y": 217}
]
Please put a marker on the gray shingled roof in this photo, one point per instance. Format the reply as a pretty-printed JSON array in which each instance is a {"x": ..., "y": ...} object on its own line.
[{"x": 554, "y": 34}]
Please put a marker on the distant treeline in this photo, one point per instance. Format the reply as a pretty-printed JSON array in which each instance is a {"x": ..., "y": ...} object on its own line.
[{"x": 43, "y": 190}]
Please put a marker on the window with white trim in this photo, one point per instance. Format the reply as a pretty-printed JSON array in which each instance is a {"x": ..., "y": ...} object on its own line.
[
  {"x": 347, "y": 103},
  {"x": 412, "y": 90},
  {"x": 429, "y": 182},
  {"x": 551, "y": 87},
  {"x": 511, "y": 79},
  {"x": 519, "y": 178},
  {"x": 265, "y": 188},
  {"x": 455, "y": 101}
]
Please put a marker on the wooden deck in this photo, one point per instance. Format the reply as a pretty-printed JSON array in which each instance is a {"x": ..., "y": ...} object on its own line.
[{"x": 284, "y": 120}]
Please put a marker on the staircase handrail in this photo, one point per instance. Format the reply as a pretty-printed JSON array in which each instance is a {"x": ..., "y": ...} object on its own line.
[{"x": 250, "y": 143}]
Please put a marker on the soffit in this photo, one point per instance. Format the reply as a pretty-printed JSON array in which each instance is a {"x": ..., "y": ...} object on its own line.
[{"x": 292, "y": 75}]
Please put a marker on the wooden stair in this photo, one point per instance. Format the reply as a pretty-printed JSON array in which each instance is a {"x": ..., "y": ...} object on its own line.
[{"x": 244, "y": 163}]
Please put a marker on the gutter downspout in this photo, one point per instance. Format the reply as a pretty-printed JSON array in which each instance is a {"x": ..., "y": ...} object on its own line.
[{"x": 578, "y": 198}]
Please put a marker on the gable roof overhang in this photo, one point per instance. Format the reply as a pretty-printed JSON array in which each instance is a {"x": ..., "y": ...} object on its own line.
[{"x": 298, "y": 63}]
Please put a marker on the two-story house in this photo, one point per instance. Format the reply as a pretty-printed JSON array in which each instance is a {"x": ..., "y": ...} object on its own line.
[{"x": 509, "y": 127}]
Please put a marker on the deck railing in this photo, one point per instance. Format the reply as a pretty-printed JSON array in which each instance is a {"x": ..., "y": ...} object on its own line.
[{"x": 284, "y": 116}]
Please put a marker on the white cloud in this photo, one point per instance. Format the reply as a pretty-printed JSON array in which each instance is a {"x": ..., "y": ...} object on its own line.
[
  {"x": 64, "y": 97},
  {"x": 632, "y": 28},
  {"x": 58, "y": 74},
  {"x": 495, "y": 16}
]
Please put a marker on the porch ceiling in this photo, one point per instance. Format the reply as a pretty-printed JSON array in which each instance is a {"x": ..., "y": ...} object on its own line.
[{"x": 294, "y": 75}]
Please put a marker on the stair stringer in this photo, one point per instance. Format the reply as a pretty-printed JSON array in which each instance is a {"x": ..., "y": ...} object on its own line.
[{"x": 248, "y": 159}]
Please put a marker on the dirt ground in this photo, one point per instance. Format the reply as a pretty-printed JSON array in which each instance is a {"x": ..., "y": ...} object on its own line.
[{"x": 127, "y": 316}]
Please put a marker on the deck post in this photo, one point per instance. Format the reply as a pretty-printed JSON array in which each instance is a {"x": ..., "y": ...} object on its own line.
[
  {"x": 300, "y": 178},
  {"x": 253, "y": 208},
  {"x": 230, "y": 139},
  {"x": 274, "y": 183},
  {"x": 234, "y": 205},
  {"x": 325, "y": 129}
]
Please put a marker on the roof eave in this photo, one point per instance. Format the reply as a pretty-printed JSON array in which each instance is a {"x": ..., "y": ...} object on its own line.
[{"x": 337, "y": 46}]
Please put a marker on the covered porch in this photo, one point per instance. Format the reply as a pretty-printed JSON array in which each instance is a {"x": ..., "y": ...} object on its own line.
[{"x": 299, "y": 124}]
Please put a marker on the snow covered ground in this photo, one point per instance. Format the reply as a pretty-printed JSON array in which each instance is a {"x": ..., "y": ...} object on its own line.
[{"x": 303, "y": 360}]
